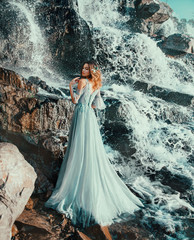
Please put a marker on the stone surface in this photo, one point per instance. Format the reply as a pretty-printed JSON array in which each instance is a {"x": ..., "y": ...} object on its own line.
[
  {"x": 17, "y": 180},
  {"x": 67, "y": 33},
  {"x": 151, "y": 10},
  {"x": 127, "y": 231},
  {"x": 180, "y": 43},
  {"x": 22, "y": 110},
  {"x": 44, "y": 223},
  {"x": 38, "y": 125},
  {"x": 177, "y": 182},
  {"x": 146, "y": 8},
  {"x": 150, "y": 14}
]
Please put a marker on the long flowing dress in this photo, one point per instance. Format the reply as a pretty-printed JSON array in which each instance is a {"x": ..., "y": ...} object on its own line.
[{"x": 88, "y": 189}]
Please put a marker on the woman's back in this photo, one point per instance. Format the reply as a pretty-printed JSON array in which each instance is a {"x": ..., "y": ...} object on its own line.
[
  {"x": 87, "y": 96},
  {"x": 88, "y": 189}
]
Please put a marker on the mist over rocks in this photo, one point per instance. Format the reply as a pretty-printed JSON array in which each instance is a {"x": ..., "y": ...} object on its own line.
[
  {"x": 67, "y": 33},
  {"x": 14, "y": 34},
  {"x": 147, "y": 16},
  {"x": 68, "y": 37}
]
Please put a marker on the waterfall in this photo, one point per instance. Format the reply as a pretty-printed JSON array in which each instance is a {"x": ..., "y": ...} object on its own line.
[
  {"x": 33, "y": 56},
  {"x": 36, "y": 39},
  {"x": 132, "y": 55},
  {"x": 161, "y": 131}
]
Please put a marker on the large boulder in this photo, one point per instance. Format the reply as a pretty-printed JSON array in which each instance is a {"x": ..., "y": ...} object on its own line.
[
  {"x": 179, "y": 42},
  {"x": 67, "y": 33},
  {"x": 154, "y": 11},
  {"x": 146, "y": 8},
  {"x": 150, "y": 14},
  {"x": 17, "y": 180}
]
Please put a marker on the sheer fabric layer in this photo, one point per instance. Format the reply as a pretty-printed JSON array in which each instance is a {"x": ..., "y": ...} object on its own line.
[{"x": 88, "y": 189}]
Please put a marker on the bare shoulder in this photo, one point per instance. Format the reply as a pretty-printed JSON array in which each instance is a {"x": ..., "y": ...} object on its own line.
[
  {"x": 81, "y": 83},
  {"x": 82, "y": 80}
]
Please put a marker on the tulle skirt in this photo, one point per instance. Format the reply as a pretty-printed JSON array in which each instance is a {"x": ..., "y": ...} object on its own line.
[{"x": 88, "y": 189}]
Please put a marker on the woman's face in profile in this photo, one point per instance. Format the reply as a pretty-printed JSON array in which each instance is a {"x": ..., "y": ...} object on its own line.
[{"x": 86, "y": 70}]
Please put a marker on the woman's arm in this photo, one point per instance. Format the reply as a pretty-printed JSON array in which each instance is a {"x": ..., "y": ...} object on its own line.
[
  {"x": 81, "y": 83},
  {"x": 73, "y": 82}
]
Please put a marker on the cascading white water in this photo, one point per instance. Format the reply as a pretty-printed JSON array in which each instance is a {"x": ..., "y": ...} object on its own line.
[
  {"x": 39, "y": 63},
  {"x": 137, "y": 55},
  {"x": 162, "y": 132},
  {"x": 36, "y": 38}
]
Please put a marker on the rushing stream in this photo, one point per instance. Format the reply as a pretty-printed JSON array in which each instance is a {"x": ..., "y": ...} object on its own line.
[
  {"x": 162, "y": 132},
  {"x": 33, "y": 49},
  {"x": 160, "y": 170}
]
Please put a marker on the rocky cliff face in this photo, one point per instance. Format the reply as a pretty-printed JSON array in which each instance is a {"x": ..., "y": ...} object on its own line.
[
  {"x": 25, "y": 110},
  {"x": 34, "y": 122},
  {"x": 68, "y": 34}
]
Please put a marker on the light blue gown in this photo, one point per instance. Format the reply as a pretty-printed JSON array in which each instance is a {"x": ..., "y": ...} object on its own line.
[{"x": 88, "y": 189}]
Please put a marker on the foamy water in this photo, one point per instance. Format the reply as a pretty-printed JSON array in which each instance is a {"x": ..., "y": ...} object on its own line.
[{"x": 162, "y": 132}]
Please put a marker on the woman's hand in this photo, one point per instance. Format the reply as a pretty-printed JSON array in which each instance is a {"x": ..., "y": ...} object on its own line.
[{"x": 74, "y": 81}]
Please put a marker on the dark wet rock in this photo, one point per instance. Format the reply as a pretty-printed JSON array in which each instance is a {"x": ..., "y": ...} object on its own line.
[
  {"x": 115, "y": 120},
  {"x": 44, "y": 223},
  {"x": 127, "y": 7},
  {"x": 188, "y": 59},
  {"x": 149, "y": 16},
  {"x": 146, "y": 8},
  {"x": 177, "y": 182},
  {"x": 141, "y": 26},
  {"x": 157, "y": 12},
  {"x": 42, "y": 84},
  {"x": 179, "y": 43},
  {"x": 165, "y": 94},
  {"x": 130, "y": 230},
  {"x": 67, "y": 33}
]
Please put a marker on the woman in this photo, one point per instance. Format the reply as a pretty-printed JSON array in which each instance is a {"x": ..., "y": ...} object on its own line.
[{"x": 88, "y": 189}]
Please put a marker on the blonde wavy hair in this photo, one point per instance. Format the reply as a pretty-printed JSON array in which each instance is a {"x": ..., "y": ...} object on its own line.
[{"x": 95, "y": 74}]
